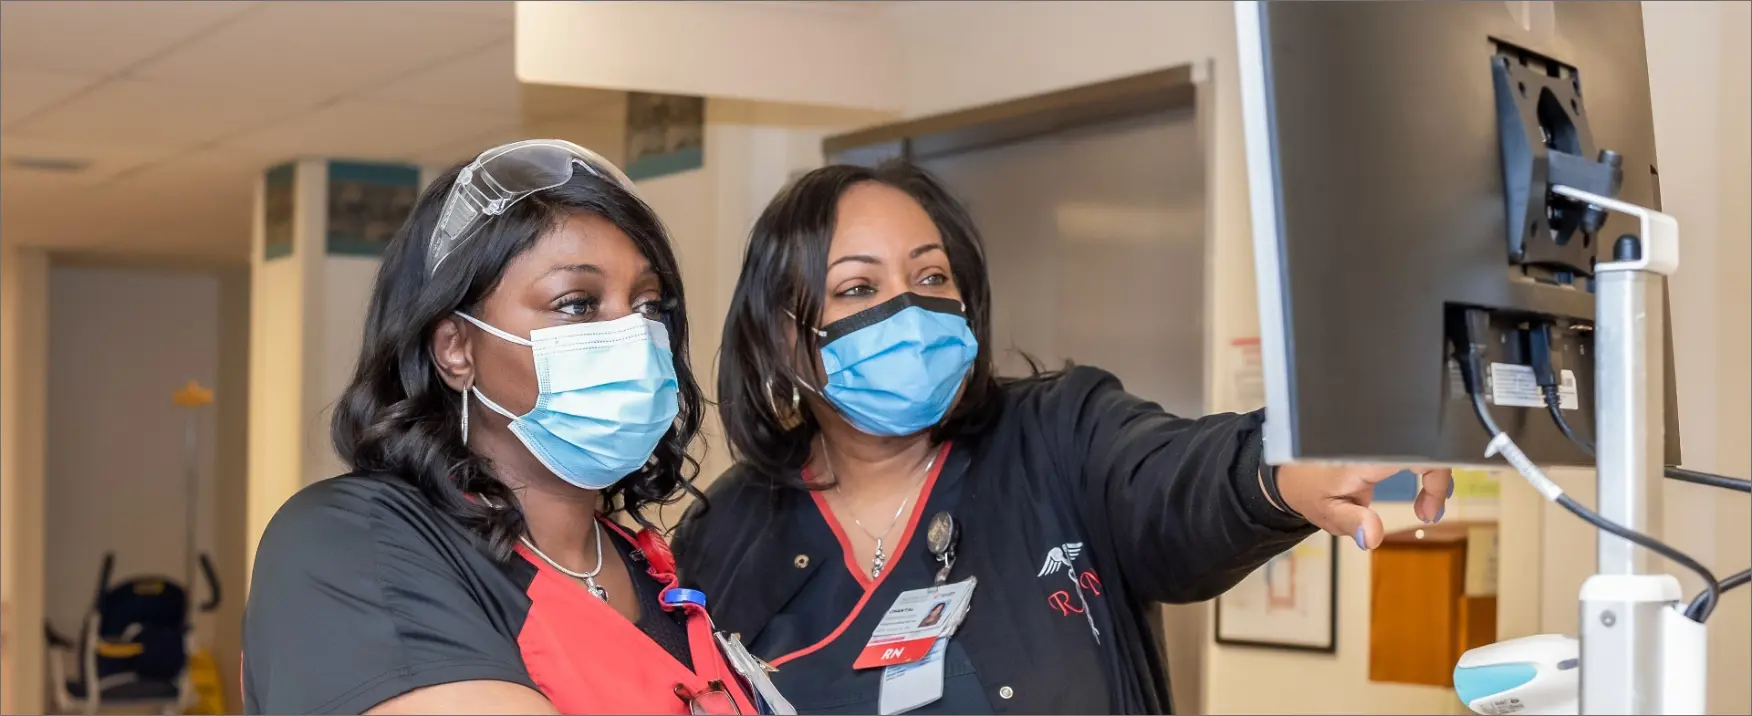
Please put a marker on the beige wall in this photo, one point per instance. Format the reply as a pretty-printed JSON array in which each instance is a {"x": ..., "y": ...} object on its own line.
[
  {"x": 1699, "y": 78},
  {"x": 827, "y": 53},
  {"x": 129, "y": 497},
  {"x": 23, "y": 366},
  {"x": 231, "y": 468},
  {"x": 1700, "y": 74},
  {"x": 91, "y": 503},
  {"x": 276, "y": 380}
]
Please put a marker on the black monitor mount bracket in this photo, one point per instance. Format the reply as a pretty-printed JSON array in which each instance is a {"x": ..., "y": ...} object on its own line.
[{"x": 1545, "y": 142}]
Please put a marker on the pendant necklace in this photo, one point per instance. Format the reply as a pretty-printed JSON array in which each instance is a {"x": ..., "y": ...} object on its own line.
[
  {"x": 880, "y": 558},
  {"x": 589, "y": 578}
]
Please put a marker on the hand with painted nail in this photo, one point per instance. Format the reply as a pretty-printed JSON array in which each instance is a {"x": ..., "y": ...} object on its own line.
[{"x": 1336, "y": 498}]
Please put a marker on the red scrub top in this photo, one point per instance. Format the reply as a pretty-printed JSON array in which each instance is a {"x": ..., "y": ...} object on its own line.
[{"x": 363, "y": 592}]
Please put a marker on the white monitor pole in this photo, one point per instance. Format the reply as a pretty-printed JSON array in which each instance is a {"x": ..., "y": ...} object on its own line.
[{"x": 1639, "y": 653}]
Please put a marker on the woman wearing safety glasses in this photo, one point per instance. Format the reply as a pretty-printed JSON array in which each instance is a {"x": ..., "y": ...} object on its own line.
[
  {"x": 524, "y": 375},
  {"x": 886, "y": 475}
]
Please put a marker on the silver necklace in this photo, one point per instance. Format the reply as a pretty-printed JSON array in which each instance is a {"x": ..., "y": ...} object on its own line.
[
  {"x": 588, "y": 577},
  {"x": 880, "y": 559}
]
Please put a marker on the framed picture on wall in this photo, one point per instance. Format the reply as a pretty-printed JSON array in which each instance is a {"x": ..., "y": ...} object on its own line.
[
  {"x": 666, "y": 134},
  {"x": 1290, "y": 602}
]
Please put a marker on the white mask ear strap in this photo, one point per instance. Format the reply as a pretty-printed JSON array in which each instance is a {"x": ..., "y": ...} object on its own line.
[
  {"x": 483, "y": 326},
  {"x": 818, "y": 331},
  {"x": 492, "y": 405}
]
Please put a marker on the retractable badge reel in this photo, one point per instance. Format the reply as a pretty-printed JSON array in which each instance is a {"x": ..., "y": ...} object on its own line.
[{"x": 913, "y": 636}]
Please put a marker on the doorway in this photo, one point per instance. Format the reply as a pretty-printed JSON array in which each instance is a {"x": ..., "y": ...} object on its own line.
[{"x": 1092, "y": 204}]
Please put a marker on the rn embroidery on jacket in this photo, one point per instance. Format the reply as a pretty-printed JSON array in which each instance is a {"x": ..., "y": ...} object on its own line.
[{"x": 1063, "y": 559}]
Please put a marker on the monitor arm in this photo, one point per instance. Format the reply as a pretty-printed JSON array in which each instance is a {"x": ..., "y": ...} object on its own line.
[{"x": 1638, "y": 652}]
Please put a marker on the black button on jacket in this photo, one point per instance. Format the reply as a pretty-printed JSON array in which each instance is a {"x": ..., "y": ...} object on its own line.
[{"x": 1081, "y": 506}]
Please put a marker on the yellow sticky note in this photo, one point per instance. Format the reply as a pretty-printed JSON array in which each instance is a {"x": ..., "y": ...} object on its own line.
[{"x": 1476, "y": 485}]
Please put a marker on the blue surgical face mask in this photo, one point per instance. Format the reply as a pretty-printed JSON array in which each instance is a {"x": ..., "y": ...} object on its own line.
[
  {"x": 607, "y": 395},
  {"x": 895, "y": 369}
]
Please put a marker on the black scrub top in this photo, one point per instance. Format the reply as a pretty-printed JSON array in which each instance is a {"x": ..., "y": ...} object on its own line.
[
  {"x": 1081, "y": 506},
  {"x": 363, "y": 591},
  {"x": 801, "y": 635}
]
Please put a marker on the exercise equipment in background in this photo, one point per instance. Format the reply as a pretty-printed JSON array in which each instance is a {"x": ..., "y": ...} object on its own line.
[
  {"x": 133, "y": 648},
  {"x": 138, "y": 648}
]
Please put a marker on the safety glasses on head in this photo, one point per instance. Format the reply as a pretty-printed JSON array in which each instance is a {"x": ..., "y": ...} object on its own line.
[{"x": 502, "y": 176}]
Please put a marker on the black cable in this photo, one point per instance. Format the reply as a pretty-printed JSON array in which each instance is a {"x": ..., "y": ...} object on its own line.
[
  {"x": 1708, "y": 479},
  {"x": 1737, "y": 579},
  {"x": 1544, "y": 373},
  {"x": 1701, "y": 607},
  {"x": 1672, "y": 472},
  {"x": 1483, "y": 413},
  {"x": 1553, "y": 405},
  {"x": 1734, "y": 580},
  {"x": 1467, "y": 338}
]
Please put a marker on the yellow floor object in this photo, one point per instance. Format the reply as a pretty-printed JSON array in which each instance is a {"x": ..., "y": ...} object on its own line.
[{"x": 204, "y": 676}]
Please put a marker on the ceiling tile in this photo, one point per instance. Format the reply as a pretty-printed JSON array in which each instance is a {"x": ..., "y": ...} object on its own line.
[
  {"x": 210, "y": 235},
  {"x": 134, "y": 112},
  {"x": 201, "y": 177},
  {"x": 106, "y": 161},
  {"x": 52, "y": 211},
  {"x": 484, "y": 81},
  {"x": 323, "y": 50},
  {"x": 366, "y": 129},
  {"x": 24, "y": 192},
  {"x": 505, "y": 10},
  {"x": 103, "y": 37},
  {"x": 58, "y": 209},
  {"x": 450, "y": 154},
  {"x": 201, "y": 204},
  {"x": 23, "y": 92},
  {"x": 196, "y": 205}
]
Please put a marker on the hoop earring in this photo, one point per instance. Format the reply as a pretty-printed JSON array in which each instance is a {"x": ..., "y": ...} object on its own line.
[
  {"x": 465, "y": 390},
  {"x": 791, "y": 418}
]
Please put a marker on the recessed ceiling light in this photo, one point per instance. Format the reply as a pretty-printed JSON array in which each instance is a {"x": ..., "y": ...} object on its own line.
[{"x": 66, "y": 165}]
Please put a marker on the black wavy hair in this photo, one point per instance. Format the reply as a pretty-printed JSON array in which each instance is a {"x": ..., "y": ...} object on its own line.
[
  {"x": 398, "y": 419},
  {"x": 780, "y": 291}
]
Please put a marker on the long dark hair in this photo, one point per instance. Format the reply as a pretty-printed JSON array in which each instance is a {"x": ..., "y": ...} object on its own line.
[
  {"x": 780, "y": 291},
  {"x": 398, "y": 419}
]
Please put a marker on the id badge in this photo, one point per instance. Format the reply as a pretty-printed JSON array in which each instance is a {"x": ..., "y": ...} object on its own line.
[
  {"x": 755, "y": 673},
  {"x": 919, "y": 619},
  {"x": 908, "y": 686}
]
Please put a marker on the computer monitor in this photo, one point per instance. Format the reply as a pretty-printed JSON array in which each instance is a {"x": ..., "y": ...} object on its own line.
[{"x": 1399, "y": 160}]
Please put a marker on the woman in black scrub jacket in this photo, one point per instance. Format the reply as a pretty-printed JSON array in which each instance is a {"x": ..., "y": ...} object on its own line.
[
  {"x": 524, "y": 374},
  {"x": 857, "y": 391}
]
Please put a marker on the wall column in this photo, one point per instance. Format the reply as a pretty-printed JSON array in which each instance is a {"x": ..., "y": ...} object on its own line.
[
  {"x": 24, "y": 348},
  {"x": 320, "y": 228}
]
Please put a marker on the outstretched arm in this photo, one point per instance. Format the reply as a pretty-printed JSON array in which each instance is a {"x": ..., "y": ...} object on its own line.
[{"x": 1188, "y": 506}]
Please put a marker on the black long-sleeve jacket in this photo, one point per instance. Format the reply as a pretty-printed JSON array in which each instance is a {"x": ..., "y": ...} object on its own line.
[{"x": 1144, "y": 506}]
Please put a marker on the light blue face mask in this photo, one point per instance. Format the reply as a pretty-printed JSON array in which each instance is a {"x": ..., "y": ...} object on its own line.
[
  {"x": 607, "y": 396},
  {"x": 895, "y": 369}
]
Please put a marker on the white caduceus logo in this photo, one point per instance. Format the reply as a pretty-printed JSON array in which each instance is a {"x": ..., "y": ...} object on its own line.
[{"x": 1060, "y": 558}]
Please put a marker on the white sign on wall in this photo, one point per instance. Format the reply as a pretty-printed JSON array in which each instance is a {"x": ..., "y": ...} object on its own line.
[{"x": 1248, "y": 381}]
